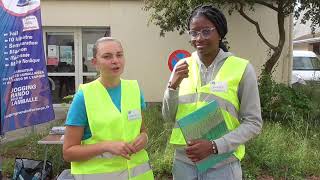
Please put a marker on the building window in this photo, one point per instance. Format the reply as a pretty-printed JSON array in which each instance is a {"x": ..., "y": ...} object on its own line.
[
  {"x": 89, "y": 37},
  {"x": 69, "y": 58}
]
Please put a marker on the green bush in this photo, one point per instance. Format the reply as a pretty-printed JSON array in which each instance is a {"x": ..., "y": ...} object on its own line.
[
  {"x": 281, "y": 103},
  {"x": 289, "y": 146}
]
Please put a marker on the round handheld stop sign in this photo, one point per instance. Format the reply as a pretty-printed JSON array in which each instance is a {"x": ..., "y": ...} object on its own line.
[{"x": 175, "y": 56}]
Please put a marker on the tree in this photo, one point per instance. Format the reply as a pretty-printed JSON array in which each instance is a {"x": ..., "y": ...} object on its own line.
[{"x": 171, "y": 15}]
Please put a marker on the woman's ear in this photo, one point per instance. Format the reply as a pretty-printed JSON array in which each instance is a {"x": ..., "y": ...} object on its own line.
[{"x": 95, "y": 63}]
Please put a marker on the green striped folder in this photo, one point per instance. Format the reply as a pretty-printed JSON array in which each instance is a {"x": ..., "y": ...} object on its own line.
[{"x": 205, "y": 123}]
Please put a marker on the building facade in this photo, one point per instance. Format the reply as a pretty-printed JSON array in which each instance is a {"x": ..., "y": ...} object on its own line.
[{"x": 71, "y": 27}]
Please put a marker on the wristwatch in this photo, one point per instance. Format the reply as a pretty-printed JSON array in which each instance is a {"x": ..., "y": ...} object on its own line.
[
  {"x": 170, "y": 86},
  {"x": 214, "y": 147}
]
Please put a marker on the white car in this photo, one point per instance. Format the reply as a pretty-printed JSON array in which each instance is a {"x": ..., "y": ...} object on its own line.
[{"x": 306, "y": 67}]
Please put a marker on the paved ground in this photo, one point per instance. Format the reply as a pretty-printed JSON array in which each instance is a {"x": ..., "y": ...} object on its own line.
[{"x": 60, "y": 113}]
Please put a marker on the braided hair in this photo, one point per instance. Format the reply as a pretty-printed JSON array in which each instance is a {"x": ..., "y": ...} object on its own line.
[{"x": 216, "y": 17}]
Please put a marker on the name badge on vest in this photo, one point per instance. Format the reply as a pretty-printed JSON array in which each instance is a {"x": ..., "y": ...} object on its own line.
[
  {"x": 218, "y": 86},
  {"x": 134, "y": 114}
]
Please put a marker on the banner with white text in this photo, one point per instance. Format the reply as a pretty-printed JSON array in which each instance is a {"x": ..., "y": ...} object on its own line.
[{"x": 25, "y": 92}]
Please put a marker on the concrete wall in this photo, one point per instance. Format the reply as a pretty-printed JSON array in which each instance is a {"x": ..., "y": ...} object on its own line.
[{"x": 147, "y": 53}]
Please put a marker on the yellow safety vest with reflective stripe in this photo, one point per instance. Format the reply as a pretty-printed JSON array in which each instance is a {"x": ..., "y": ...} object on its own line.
[
  {"x": 107, "y": 123},
  {"x": 192, "y": 95}
]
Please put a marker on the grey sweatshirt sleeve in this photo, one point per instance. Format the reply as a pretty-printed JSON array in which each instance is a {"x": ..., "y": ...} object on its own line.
[
  {"x": 249, "y": 114},
  {"x": 170, "y": 100},
  {"x": 170, "y": 104}
]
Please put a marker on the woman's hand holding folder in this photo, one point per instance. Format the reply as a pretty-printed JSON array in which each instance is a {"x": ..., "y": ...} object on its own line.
[{"x": 200, "y": 149}]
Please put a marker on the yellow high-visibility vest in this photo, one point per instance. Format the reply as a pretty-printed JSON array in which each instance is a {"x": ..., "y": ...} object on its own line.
[
  {"x": 192, "y": 95},
  {"x": 107, "y": 123}
]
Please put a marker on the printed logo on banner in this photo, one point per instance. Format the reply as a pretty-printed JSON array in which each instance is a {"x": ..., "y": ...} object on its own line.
[
  {"x": 25, "y": 94},
  {"x": 20, "y": 7},
  {"x": 175, "y": 56},
  {"x": 30, "y": 23}
]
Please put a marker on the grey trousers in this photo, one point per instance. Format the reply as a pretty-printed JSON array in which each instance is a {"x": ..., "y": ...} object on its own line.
[{"x": 185, "y": 171}]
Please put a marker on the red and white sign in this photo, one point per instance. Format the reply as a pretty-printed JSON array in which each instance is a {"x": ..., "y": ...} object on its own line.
[{"x": 175, "y": 56}]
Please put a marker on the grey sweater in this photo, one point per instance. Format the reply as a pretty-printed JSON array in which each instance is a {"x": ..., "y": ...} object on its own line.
[{"x": 249, "y": 112}]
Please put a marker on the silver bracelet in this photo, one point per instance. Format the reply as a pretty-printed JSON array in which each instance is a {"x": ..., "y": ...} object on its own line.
[{"x": 214, "y": 147}]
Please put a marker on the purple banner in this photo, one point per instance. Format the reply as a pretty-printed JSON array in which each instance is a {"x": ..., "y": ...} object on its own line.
[{"x": 25, "y": 94}]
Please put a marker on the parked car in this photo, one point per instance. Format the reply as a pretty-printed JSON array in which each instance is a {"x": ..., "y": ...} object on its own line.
[{"x": 306, "y": 67}]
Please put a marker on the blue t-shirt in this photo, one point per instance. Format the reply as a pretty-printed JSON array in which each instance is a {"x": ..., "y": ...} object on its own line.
[{"x": 77, "y": 114}]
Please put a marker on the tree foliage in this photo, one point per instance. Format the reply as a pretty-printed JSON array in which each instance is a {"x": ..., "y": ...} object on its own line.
[{"x": 171, "y": 15}]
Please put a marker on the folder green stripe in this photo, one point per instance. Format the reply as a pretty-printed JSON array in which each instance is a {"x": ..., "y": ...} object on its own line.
[
  {"x": 199, "y": 116},
  {"x": 205, "y": 123},
  {"x": 216, "y": 132},
  {"x": 212, "y": 160}
]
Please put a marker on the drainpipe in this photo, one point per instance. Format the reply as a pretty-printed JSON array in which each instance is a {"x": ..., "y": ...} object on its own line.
[{"x": 290, "y": 55}]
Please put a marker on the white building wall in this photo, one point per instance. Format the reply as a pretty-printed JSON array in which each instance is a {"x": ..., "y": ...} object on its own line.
[{"x": 146, "y": 52}]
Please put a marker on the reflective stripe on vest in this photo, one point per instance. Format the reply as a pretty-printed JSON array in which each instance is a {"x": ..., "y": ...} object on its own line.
[
  {"x": 138, "y": 170},
  {"x": 107, "y": 123},
  {"x": 134, "y": 173},
  {"x": 193, "y": 96}
]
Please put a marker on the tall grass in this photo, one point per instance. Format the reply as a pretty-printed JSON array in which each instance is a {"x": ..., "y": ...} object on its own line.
[
  {"x": 160, "y": 152},
  {"x": 283, "y": 152}
]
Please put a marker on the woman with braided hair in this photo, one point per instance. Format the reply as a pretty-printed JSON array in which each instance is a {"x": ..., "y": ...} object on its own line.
[{"x": 212, "y": 73}]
